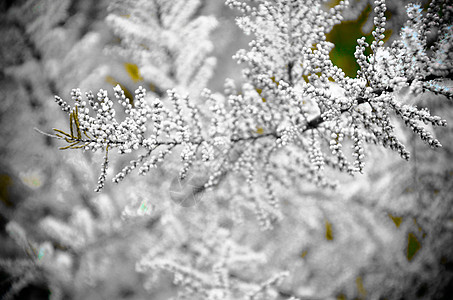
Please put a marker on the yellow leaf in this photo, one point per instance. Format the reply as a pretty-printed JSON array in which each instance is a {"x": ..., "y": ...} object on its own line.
[
  {"x": 274, "y": 80},
  {"x": 77, "y": 124},
  {"x": 260, "y": 130},
  {"x": 62, "y": 132},
  {"x": 329, "y": 233},
  {"x": 396, "y": 220},
  {"x": 70, "y": 126},
  {"x": 360, "y": 286},
  {"x": 112, "y": 81},
  {"x": 69, "y": 146},
  {"x": 133, "y": 71}
]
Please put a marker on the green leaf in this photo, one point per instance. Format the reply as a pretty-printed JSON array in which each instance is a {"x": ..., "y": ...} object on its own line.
[
  {"x": 413, "y": 245},
  {"x": 345, "y": 35}
]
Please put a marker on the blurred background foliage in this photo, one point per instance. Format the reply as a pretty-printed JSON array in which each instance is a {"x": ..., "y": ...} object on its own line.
[
  {"x": 345, "y": 36},
  {"x": 388, "y": 232}
]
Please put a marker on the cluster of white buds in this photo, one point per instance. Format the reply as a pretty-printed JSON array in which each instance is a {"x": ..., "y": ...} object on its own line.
[
  {"x": 379, "y": 23},
  {"x": 295, "y": 100},
  {"x": 63, "y": 104},
  {"x": 358, "y": 151},
  {"x": 296, "y": 115},
  {"x": 104, "y": 131}
]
